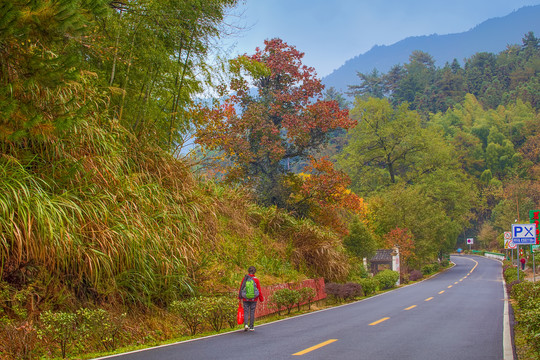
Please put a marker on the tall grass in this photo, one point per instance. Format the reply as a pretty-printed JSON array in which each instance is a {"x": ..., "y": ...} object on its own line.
[
  {"x": 114, "y": 219},
  {"x": 108, "y": 216}
]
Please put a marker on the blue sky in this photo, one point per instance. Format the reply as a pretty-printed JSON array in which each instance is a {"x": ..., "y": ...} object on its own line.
[{"x": 330, "y": 32}]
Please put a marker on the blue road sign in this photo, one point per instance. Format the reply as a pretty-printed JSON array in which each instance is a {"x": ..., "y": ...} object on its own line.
[{"x": 524, "y": 234}]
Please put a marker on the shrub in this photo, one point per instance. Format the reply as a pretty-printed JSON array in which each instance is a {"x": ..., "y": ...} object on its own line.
[
  {"x": 351, "y": 290},
  {"x": 404, "y": 278},
  {"x": 387, "y": 278},
  {"x": 59, "y": 328},
  {"x": 17, "y": 340},
  {"x": 333, "y": 290},
  {"x": 445, "y": 263},
  {"x": 430, "y": 268},
  {"x": 369, "y": 286},
  {"x": 510, "y": 286},
  {"x": 415, "y": 275},
  {"x": 285, "y": 298},
  {"x": 231, "y": 306},
  {"x": 527, "y": 310},
  {"x": 510, "y": 275},
  {"x": 307, "y": 294},
  {"x": 216, "y": 312},
  {"x": 346, "y": 291},
  {"x": 99, "y": 327},
  {"x": 191, "y": 311}
]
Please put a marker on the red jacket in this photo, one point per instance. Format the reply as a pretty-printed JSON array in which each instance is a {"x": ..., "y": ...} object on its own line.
[{"x": 260, "y": 297}]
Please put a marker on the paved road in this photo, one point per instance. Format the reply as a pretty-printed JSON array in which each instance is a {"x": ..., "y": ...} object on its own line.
[{"x": 457, "y": 314}]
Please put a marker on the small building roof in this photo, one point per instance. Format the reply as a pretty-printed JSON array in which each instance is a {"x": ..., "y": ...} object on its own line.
[{"x": 382, "y": 256}]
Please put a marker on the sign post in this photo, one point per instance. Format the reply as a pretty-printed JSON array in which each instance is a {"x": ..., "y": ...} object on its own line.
[
  {"x": 523, "y": 234},
  {"x": 509, "y": 244},
  {"x": 470, "y": 241},
  {"x": 534, "y": 218}
]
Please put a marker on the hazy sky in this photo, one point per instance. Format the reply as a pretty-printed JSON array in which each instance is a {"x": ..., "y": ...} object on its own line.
[{"x": 330, "y": 32}]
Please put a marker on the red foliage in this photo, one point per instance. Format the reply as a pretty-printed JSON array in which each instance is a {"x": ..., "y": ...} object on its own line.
[{"x": 286, "y": 120}]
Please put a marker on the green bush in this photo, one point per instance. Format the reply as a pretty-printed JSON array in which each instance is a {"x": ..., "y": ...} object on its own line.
[
  {"x": 387, "y": 279},
  {"x": 445, "y": 263},
  {"x": 307, "y": 294},
  {"x": 430, "y": 268},
  {"x": 192, "y": 312},
  {"x": 527, "y": 312},
  {"x": 230, "y": 303},
  {"x": 285, "y": 298},
  {"x": 99, "y": 327},
  {"x": 215, "y": 312},
  {"x": 369, "y": 286},
  {"x": 59, "y": 328},
  {"x": 510, "y": 275}
]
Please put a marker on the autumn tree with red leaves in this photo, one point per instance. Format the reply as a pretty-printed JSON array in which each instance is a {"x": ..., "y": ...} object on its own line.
[
  {"x": 404, "y": 240},
  {"x": 275, "y": 118}
]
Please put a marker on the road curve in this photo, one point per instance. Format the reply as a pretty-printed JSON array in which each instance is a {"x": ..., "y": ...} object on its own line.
[{"x": 457, "y": 314}]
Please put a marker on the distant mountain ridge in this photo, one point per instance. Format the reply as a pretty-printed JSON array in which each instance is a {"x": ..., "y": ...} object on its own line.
[{"x": 492, "y": 35}]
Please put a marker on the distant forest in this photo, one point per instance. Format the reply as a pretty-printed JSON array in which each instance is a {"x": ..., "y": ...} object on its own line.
[
  {"x": 494, "y": 79},
  {"x": 452, "y": 137}
]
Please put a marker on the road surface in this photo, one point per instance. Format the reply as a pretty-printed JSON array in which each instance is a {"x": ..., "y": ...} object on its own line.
[{"x": 457, "y": 314}]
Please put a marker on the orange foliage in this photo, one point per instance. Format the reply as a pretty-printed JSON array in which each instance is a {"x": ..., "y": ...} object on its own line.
[
  {"x": 326, "y": 188},
  {"x": 404, "y": 240}
]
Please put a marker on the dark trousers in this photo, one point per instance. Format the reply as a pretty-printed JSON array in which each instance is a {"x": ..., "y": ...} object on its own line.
[{"x": 249, "y": 313}]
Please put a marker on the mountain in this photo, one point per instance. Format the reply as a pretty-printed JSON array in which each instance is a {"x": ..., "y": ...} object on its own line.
[{"x": 492, "y": 35}]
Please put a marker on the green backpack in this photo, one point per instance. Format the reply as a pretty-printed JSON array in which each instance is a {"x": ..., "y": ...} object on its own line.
[{"x": 249, "y": 288}]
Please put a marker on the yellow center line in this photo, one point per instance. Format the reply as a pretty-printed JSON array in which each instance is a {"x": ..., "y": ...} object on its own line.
[
  {"x": 410, "y": 307},
  {"x": 379, "y": 321},
  {"x": 429, "y": 298},
  {"x": 449, "y": 286},
  {"x": 460, "y": 279},
  {"x": 456, "y": 283},
  {"x": 315, "y": 347},
  {"x": 440, "y": 292}
]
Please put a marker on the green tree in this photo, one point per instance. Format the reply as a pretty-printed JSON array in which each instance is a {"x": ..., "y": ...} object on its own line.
[
  {"x": 381, "y": 145},
  {"x": 360, "y": 242},
  {"x": 152, "y": 56}
]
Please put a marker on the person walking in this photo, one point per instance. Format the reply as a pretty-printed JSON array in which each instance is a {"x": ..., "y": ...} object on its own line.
[
  {"x": 522, "y": 263},
  {"x": 250, "y": 292}
]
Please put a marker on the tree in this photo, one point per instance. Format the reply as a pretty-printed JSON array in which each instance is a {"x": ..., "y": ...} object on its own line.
[
  {"x": 382, "y": 144},
  {"x": 322, "y": 194},
  {"x": 372, "y": 85},
  {"x": 418, "y": 77},
  {"x": 153, "y": 56},
  {"x": 40, "y": 54},
  {"x": 262, "y": 133},
  {"x": 404, "y": 240},
  {"x": 360, "y": 242}
]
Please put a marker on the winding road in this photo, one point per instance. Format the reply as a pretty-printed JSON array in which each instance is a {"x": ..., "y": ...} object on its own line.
[{"x": 459, "y": 314}]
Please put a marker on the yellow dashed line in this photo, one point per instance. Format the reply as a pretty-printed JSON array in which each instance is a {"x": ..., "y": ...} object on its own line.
[
  {"x": 429, "y": 298},
  {"x": 410, "y": 307},
  {"x": 379, "y": 321},
  {"x": 440, "y": 292},
  {"x": 315, "y": 347},
  {"x": 449, "y": 286}
]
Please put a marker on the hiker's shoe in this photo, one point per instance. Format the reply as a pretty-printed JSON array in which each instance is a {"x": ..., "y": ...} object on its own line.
[
  {"x": 246, "y": 328},
  {"x": 251, "y": 329}
]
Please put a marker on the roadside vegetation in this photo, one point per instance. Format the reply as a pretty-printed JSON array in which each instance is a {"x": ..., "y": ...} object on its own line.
[
  {"x": 124, "y": 197},
  {"x": 525, "y": 298}
]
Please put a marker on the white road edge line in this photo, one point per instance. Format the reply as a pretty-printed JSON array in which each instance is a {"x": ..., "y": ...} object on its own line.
[{"x": 508, "y": 350}]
